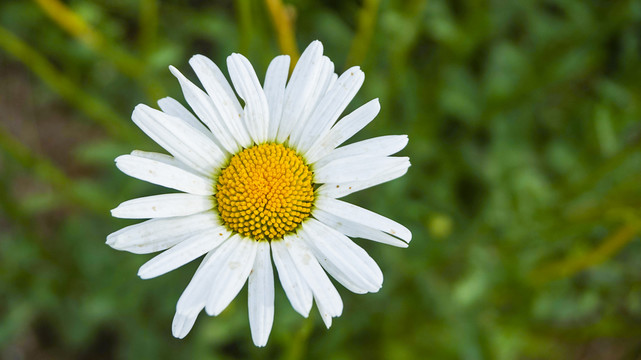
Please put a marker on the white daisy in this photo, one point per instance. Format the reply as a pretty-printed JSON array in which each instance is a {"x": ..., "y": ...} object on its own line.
[{"x": 261, "y": 181}]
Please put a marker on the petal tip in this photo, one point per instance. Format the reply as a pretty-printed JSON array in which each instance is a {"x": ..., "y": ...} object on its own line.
[
  {"x": 178, "y": 335},
  {"x": 120, "y": 159},
  {"x": 316, "y": 43},
  {"x": 143, "y": 274},
  {"x": 260, "y": 342},
  {"x": 209, "y": 309},
  {"x": 327, "y": 319},
  {"x": 182, "y": 324},
  {"x": 315, "y": 48},
  {"x": 111, "y": 240},
  {"x": 198, "y": 57},
  {"x": 139, "y": 108},
  {"x": 175, "y": 72}
]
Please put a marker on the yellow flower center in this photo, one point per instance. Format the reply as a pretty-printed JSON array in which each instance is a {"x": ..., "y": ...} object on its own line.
[{"x": 265, "y": 192}]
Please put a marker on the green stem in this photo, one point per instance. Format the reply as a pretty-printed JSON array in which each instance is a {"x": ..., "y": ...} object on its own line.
[
  {"x": 572, "y": 265},
  {"x": 126, "y": 63},
  {"x": 46, "y": 171},
  {"x": 148, "y": 25},
  {"x": 245, "y": 28},
  {"x": 363, "y": 38},
  {"x": 298, "y": 347},
  {"x": 97, "y": 110},
  {"x": 284, "y": 25}
]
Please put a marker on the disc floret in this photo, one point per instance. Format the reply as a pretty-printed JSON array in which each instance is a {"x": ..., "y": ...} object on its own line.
[{"x": 265, "y": 192}]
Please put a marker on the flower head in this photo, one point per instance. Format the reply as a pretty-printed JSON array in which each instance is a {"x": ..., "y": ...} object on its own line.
[{"x": 261, "y": 182}]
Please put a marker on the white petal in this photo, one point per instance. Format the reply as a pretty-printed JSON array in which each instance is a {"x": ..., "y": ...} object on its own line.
[
  {"x": 165, "y": 205},
  {"x": 353, "y": 229},
  {"x": 192, "y": 300},
  {"x": 195, "y": 296},
  {"x": 261, "y": 295},
  {"x": 183, "y": 323},
  {"x": 296, "y": 289},
  {"x": 223, "y": 97},
  {"x": 325, "y": 81},
  {"x": 172, "y": 107},
  {"x": 330, "y": 107},
  {"x": 159, "y": 234},
  {"x": 324, "y": 311},
  {"x": 204, "y": 107},
  {"x": 160, "y": 173},
  {"x": 300, "y": 88},
  {"x": 327, "y": 298},
  {"x": 275, "y": 80},
  {"x": 374, "y": 147},
  {"x": 164, "y": 158},
  {"x": 363, "y": 217},
  {"x": 215, "y": 83},
  {"x": 184, "y": 142},
  {"x": 184, "y": 252},
  {"x": 332, "y": 81},
  {"x": 348, "y": 263},
  {"x": 318, "y": 92},
  {"x": 344, "y": 129},
  {"x": 337, "y": 190},
  {"x": 231, "y": 275},
  {"x": 245, "y": 80},
  {"x": 357, "y": 168}
]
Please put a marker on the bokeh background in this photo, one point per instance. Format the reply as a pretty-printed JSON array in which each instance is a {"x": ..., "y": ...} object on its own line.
[{"x": 524, "y": 195}]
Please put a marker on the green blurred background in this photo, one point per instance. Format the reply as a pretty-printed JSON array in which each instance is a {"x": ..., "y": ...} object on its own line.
[{"x": 524, "y": 195}]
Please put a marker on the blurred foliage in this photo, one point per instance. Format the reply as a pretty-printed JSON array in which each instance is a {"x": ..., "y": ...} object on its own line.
[{"x": 524, "y": 195}]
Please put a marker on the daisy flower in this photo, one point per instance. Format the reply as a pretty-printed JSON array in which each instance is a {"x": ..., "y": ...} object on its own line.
[{"x": 259, "y": 180}]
